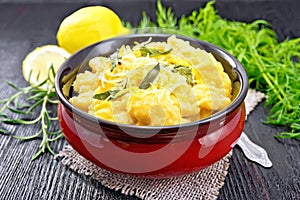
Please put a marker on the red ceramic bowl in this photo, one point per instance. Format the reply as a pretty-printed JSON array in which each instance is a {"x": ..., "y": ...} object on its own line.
[{"x": 154, "y": 152}]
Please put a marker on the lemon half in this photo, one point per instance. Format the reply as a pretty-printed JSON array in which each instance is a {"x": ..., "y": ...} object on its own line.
[
  {"x": 89, "y": 25},
  {"x": 37, "y": 63}
]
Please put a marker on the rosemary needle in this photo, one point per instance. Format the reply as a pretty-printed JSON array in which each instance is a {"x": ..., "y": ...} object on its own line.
[{"x": 36, "y": 97}]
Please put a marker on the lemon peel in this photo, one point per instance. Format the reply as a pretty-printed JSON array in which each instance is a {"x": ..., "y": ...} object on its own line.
[
  {"x": 89, "y": 25},
  {"x": 36, "y": 64}
]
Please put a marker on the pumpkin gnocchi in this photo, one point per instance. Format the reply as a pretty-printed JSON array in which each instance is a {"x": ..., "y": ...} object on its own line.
[{"x": 153, "y": 84}]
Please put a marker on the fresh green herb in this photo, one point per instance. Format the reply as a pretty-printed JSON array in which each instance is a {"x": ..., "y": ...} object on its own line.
[
  {"x": 2, "y": 131},
  {"x": 153, "y": 52},
  {"x": 108, "y": 95},
  {"x": 35, "y": 98},
  {"x": 185, "y": 72},
  {"x": 165, "y": 17},
  {"x": 145, "y": 22},
  {"x": 150, "y": 77},
  {"x": 294, "y": 134},
  {"x": 269, "y": 63},
  {"x": 113, "y": 65},
  {"x": 146, "y": 83},
  {"x": 273, "y": 67},
  {"x": 114, "y": 60}
]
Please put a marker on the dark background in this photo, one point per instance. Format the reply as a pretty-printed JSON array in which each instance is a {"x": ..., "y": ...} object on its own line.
[{"x": 26, "y": 24}]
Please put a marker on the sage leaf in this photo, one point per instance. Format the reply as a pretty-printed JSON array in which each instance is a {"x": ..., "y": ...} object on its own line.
[
  {"x": 150, "y": 77},
  {"x": 153, "y": 52},
  {"x": 108, "y": 95}
]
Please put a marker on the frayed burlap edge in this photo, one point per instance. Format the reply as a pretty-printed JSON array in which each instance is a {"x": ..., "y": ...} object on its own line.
[{"x": 204, "y": 184}]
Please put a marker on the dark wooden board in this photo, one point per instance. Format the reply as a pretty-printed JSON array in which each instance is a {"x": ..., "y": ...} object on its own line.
[{"x": 25, "y": 25}]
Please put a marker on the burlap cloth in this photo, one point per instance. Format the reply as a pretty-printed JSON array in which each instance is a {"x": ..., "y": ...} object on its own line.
[{"x": 204, "y": 184}]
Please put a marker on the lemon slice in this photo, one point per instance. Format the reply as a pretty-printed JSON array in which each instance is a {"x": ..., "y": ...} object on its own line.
[
  {"x": 37, "y": 63},
  {"x": 89, "y": 25}
]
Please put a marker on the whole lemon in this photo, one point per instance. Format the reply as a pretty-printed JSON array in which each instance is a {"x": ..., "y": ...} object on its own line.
[{"x": 87, "y": 26}]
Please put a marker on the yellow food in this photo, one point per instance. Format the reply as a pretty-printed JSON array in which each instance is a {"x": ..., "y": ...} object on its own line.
[
  {"x": 191, "y": 84},
  {"x": 87, "y": 26},
  {"x": 35, "y": 66},
  {"x": 154, "y": 107}
]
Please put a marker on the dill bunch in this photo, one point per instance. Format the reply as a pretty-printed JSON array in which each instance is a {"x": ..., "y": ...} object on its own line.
[{"x": 273, "y": 67}]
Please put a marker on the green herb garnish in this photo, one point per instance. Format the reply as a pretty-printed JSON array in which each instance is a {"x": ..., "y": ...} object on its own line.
[
  {"x": 165, "y": 17},
  {"x": 273, "y": 67},
  {"x": 153, "y": 52},
  {"x": 146, "y": 83},
  {"x": 150, "y": 77},
  {"x": 295, "y": 133},
  {"x": 35, "y": 98},
  {"x": 115, "y": 60},
  {"x": 108, "y": 95},
  {"x": 185, "y": 72}
]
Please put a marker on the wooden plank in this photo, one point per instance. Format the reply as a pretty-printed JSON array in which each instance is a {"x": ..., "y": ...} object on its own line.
[{"x": 47, "y": 178}]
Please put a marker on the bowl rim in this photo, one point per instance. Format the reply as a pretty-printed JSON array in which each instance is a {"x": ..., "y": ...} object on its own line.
[{"x": 235, "y": 64}]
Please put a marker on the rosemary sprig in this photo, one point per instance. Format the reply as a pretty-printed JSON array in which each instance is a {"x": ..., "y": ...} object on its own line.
[{"x": 35, "y": 98}]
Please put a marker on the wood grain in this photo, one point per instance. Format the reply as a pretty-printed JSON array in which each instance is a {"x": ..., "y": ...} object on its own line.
[{"x": 24, "y": 26}]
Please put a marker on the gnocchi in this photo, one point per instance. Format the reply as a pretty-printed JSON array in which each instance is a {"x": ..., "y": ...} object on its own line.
[{"x": 189, "y": 85}]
